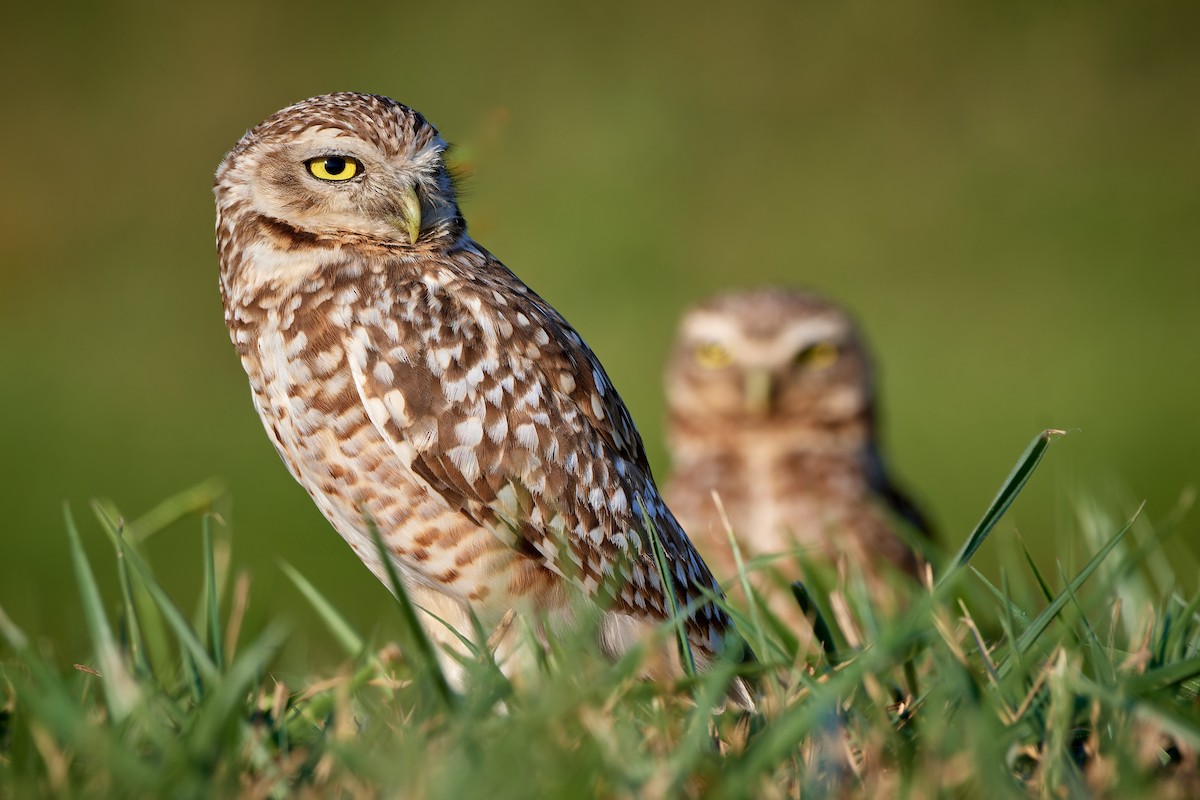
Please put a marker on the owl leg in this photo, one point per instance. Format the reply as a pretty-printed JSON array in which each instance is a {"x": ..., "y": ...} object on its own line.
[
  {"x": 448, "y": 620},
  {"x": 442, "y": 616}
]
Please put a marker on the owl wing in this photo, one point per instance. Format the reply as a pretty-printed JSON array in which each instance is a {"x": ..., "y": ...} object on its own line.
[{"x": 511, "y": 419}]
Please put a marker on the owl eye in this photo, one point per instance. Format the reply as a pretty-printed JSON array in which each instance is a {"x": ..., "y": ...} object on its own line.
[
  {"x": 712, "y": 355},
  {"x": 821, "y": 355},
  {"x": 334, "y": 168}
]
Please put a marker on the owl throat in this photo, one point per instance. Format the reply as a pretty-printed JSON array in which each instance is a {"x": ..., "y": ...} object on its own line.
[{"x": 262, "y": 256}]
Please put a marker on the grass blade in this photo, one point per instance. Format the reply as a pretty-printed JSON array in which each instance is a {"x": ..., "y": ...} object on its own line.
[
  {"x": 350, "y": 640},
  {"x": 1164, "y": 677},
  {"x": 1178, "y": 640},
  {"x": 120, "y": 691},
  {"x": 810, "y": 609},
  {"x": 16, "y": 637},
  {"x": 1012, "y": 486},
  {"x": 1043, "y": 585},
  {"x": 224, "y": 699},
  {"x": 743, "y": 577},
  {"x": 1101, "y": 666},
  {"x": 195, "y": 500},
  {"x": 419, "y": 646},
  {"x": 1043, "y": 620},
  {"x": 672, "y": 602},
  {"x": 1010, "y": 608},
  {"x": 142, "y": 613},
  {"x": 211, "y": 595},
  {"x": 192, "y": 646},
  {"x": 781, "y": 647},
  {"x": 133, "y": 626}
]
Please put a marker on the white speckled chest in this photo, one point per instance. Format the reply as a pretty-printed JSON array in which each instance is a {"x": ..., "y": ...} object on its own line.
[{"x": 297, "y": 354}]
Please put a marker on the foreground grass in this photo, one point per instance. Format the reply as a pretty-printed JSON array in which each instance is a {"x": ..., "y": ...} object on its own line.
[{"x": 1063, "y": 685}]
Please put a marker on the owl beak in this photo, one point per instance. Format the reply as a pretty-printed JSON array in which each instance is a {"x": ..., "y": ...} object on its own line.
[
  {"x": 409, "y": 218},
  {"x": 760, "y": 391}
]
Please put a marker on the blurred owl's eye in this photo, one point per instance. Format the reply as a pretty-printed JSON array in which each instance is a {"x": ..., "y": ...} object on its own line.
[
  {"x": 711, "y": 355},
  {"x": 334, "y": 168},
  {"x": 821, "y": 355}
]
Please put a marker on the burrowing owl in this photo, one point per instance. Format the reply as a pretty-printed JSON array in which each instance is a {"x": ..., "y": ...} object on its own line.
[
  {"x": 407, "y": 377},
  {"x": 770, "y": 404}
]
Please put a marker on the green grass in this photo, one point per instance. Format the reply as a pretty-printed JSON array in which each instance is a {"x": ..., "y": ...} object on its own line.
[{"x": 1060, "y": 684}]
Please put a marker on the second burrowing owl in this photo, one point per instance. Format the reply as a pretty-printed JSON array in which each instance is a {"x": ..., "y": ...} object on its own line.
[
  {"x": 408, "y": 378},
  {"x": 771, "y": 405}
]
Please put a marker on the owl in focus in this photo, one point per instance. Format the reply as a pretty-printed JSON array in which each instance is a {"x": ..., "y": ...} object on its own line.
[
  {"x": 770, "y": 404},
  {"x": 407, "y": 377}
]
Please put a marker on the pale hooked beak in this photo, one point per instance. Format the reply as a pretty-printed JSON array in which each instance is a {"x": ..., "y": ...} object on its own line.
[
  {"x": 759, "y": 391},
  {"x": 409, "y": 218}
]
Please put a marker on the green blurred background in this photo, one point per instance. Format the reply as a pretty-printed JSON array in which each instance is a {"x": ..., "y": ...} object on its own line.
[{"x": 1007, "y": 193}]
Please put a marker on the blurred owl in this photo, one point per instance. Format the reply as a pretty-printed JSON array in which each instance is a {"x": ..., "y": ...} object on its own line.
[
  {"x": 408, "y": 378},
  {"x": 771, "y": 405}
]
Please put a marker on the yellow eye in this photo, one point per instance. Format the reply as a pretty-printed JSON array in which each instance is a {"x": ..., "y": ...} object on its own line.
[
  {"x": 821, "y": 355},
  {"x": 334, "y": 168},
  {"x": 712, "y": 355}
]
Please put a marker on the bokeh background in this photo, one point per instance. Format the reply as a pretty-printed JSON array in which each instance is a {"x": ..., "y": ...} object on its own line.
[{"x": 1007, "y": 193}]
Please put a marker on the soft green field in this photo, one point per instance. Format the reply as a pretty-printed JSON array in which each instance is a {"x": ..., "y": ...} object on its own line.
[{"x": 1007, "y": 193}]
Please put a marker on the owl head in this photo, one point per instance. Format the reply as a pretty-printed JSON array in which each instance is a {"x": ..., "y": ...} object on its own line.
[
  {"x": 339, "y": 169},
  {"x": 768, "y": 358}
]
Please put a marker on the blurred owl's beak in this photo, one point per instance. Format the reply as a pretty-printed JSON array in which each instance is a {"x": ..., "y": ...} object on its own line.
[
  {"x": 760, "y": 391},
  {"x": 409, "y": 218}
]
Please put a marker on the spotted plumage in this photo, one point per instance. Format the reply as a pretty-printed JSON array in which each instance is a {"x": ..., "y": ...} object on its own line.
[
  {"x": 771, "y": 405},
  {"x": 408, "y": 377}
]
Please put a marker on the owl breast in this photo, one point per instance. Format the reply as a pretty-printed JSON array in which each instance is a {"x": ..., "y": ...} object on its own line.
[{"x": 297, "y": 354}]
